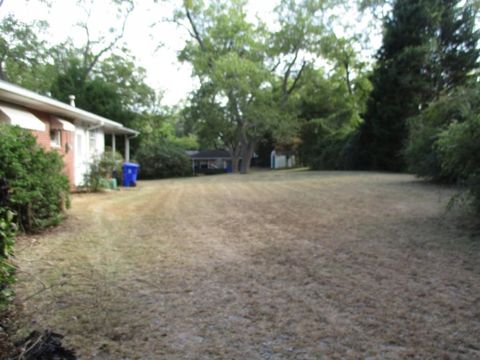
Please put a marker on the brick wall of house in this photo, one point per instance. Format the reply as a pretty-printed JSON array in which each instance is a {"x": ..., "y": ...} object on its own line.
[{"x": 66, "y": 148}]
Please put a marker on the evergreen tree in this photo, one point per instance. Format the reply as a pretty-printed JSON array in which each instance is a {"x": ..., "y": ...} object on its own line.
[
  {"x": 457, "y": 52},
  {"x": 457, "y": 88},
  {"x": 429, "y": 48},
  {"x": 401, "y": 83}
]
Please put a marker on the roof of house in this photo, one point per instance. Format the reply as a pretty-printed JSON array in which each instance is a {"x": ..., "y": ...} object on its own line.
[
  {"x": 210, "y": 154},
  {"x": 17, "y": 95}
]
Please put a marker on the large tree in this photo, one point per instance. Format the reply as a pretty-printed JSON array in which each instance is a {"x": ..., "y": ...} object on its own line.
[
  {"x": 401, "y": 83},
  {"x": 20, "y": 49},
  {"x": 101, "y": 73},
  {"x": 115, "y": 87},
  {"x": 457, "y": 48},
  {"x": 247, "y": 73},
  {"x": 429, "y": 47},
  {"x": 228, "y": 56},
  {"x": 456, "y": 85}
]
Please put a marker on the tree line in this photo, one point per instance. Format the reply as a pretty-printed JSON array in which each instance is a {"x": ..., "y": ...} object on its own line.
[{"x": 296, "y": 81}]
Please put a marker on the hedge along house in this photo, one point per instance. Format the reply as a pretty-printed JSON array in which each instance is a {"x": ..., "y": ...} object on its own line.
[{"x": 76, "y": 134}]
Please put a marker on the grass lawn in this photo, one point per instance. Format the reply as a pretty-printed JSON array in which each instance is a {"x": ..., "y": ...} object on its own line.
[{"x": 272, "y": 265}]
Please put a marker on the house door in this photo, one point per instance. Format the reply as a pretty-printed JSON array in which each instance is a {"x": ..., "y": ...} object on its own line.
[{"x": 80, "y": 155}]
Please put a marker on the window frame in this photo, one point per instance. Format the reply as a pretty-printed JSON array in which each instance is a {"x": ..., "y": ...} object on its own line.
[
  {"x": 56, "y": 140},
  {"x": 92, "y": 140}
]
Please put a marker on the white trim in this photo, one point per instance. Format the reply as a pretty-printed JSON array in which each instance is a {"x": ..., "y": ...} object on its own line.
[
  {"x": 127, "y": 149},
  {"x": 22, "y": 118},
  {"x": 23, "y": 97}
]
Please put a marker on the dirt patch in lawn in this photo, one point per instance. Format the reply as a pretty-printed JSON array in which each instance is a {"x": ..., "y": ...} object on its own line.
[{"x": 273, "y": 265}]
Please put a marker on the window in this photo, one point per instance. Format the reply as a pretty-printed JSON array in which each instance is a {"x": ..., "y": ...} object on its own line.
[
  {"x": 55, "y": 138},
  {"x": 92, "y": 141}
]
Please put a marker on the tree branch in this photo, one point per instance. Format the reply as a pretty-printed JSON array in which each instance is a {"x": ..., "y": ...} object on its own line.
[
  {"x": 346, "y": 65},
  {"x": 196, "y": 33},
  {"x": 275, "y": 66},
  {"x": 286, "y": 75},
  {"x": 295, "y": 81},
  {"x": 86, "y": 51},
  {"x": 117, "y": 38}
]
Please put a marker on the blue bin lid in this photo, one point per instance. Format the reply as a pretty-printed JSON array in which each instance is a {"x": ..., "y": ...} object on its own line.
[{"x": 126, "y": 165}]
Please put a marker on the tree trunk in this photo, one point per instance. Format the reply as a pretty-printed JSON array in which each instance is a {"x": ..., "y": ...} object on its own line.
[
  {"x": 235, "y": 160},
  {"x": 3, "y": 76},
  {"x": 247, "y": 153},
  {"x": 234, "y": 151},
  {"x": 347, "y": 77}
]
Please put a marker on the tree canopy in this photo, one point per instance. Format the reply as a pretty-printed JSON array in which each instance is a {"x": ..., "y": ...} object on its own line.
[
  {"x": 249, "y": 74},
  {"x": 298, "y": 81}
]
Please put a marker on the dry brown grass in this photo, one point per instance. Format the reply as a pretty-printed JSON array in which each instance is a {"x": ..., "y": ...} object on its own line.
[{"x": 273, "y": 265}]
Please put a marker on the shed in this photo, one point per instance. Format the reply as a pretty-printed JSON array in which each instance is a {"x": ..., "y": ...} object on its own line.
[{"x": 282, "y": 159}]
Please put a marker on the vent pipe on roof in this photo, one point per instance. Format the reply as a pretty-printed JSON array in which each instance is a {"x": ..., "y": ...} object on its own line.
[{"x": 72, "y": 100}]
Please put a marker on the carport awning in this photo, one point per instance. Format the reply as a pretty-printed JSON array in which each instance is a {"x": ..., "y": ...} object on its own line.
[{"x": 22, "y": 118}]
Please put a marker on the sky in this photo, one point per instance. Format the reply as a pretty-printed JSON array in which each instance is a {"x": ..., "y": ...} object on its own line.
[{"x": 145, "y": 31}]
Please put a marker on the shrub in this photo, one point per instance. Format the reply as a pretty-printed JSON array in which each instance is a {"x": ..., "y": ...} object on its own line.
[
  {"x": 7, "y": 235},
  {"x": 110, "y": 163},
  {"x": 444, "y": 142},
  {"x": 101, "y": 169},
  {"x": 92, "y": 179},
  {"x": 163, "y": 160},
  {"x": 39, "y": 189},
  {"x": 459, "y": 149},
  {"x": 421, "y": 153},
  {"x": 324, "y": 148}
]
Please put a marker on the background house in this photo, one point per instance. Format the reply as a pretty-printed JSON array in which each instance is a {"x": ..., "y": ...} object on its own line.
[
  {"x": 210, "y": 161},
  {"x": 77, "y": 134}
]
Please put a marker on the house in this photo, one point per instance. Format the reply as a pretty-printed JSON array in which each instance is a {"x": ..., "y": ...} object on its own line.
[
  {"x": 210, "y": 161},
  {"x": 78, "y": 135},
  {"x": 281, "y": 159}
]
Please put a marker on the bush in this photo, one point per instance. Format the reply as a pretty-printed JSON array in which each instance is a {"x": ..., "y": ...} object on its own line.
[
  {"x": 324, "y": 148},
  {"x": 101, "y": 169},
  {"x": 163, "y": 160},
  {"x": 92, "y": 179},
  {"x": 39, "y": 189},
  {"x": 111, "y": 163},
  {"x": 459, "y": 149},
  {"x": 444, "y": 142},
  {"x": 7, "y": 269},
  {"x": 421, "y": 154}
]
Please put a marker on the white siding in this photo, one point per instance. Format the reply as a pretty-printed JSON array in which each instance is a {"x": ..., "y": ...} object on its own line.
[
  {"x": 86, "y": 150},
  {"x": 279, "y": 161}
]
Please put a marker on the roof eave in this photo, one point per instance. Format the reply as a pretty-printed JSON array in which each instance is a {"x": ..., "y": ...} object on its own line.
[{"x": 23, "y": 97}]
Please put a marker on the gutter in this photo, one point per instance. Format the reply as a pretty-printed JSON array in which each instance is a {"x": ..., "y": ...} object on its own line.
[
  {"x": 19, "y": 96},
  {"x": 95, "y": 127},
  {"x": 134, "y": 135}
]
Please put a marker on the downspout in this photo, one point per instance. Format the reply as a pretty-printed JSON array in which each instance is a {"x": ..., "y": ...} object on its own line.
[{"x": 134, "y": 136}]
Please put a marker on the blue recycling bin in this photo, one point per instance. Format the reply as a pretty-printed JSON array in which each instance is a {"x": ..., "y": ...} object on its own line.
[{"x": 130, "y": 173}]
